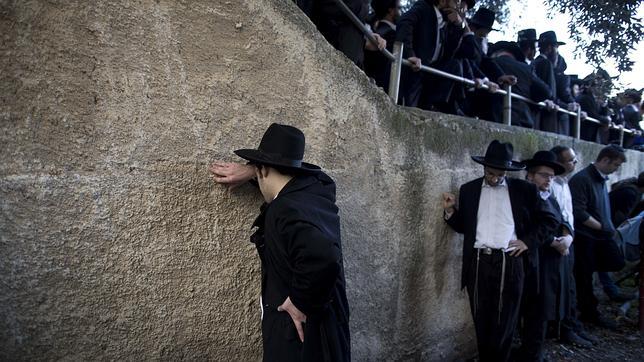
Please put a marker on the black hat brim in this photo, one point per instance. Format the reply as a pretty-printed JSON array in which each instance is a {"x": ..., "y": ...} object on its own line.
[
  {"x": 559, "y": 169},
  {"x": 512, "y": 166},
  {"x": 260, "y": 157},
  {"x": 482, "y": 25}
]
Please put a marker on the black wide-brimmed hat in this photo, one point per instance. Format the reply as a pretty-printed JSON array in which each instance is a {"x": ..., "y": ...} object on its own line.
[
  {"x": 549, "y": 37},
  {"x": 508, "y": 46},
  {"x": 545, "y": 158},
  {"x": 483, "y": 18},
  {"x": 499, "y": 156},
  {"x": 527, "y": 35},
  {"x": 281, "y": 146}
]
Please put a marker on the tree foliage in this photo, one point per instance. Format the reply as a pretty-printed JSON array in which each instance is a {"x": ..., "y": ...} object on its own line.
[{"x": 602, "y": 29}]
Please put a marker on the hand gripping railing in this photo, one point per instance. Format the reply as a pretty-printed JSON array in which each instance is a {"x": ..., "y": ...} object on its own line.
[{"x": 397, "y": 61}]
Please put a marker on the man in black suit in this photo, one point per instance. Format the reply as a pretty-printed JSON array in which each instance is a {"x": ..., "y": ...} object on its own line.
[
  {"x": 423, "y": 31},
  {"x": 545, "y": 66},
  {"x": 631, "y": 113},
  {"x": 377, "y": 66},
  {"x": 550, "y": 301},
  {"x": 305, "y": 312},
  {"x": 500, "y": 218},
  {"x": 587, "y": 100},
  {"x": 564, "y": 97},
  {"x": 336, "y": 27},
  {"x": 595, "y": 249},
  {"x": 509, "y": 57}
]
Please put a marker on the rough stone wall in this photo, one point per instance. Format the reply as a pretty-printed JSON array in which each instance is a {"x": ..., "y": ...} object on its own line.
[{"x": 116, "y": 245}]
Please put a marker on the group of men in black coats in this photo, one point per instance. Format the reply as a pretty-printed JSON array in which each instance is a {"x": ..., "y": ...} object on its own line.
[
  {"x": 436, "y": 33},
  {"x": 520, "y": 266}
]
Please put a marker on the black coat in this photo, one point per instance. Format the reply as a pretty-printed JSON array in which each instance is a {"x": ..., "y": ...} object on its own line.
[
  {"x": 632, "y": 117},
  {"x": 376, "y": 65},
  {"x": 528, "y": 85},
  {"x": 298, "y": 241},
  {"x": 533, "y": 218},
  {"x": 417, "y": 30},
  {"x": 590, "y": 198},
  {"x": 554, "y": 277}
]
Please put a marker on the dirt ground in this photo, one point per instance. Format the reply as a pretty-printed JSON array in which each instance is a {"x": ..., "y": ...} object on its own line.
[{"x": 625, "y": 344}]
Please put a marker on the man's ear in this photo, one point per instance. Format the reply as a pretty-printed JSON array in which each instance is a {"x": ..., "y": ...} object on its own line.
[{"x": 264, "y": 171}]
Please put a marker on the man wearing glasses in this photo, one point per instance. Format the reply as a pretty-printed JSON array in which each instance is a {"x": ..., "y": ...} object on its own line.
[
  {"x": 500, "y": 218},
  {"x": 546, "y": 296}
]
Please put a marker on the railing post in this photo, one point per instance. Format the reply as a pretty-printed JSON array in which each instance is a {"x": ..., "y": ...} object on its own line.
[
  {"x": 507, "y": 106},
  {"x": 577, "y": 130},
  {"x": 394, "y": 76},
  {"x": 621, "y": 135}
]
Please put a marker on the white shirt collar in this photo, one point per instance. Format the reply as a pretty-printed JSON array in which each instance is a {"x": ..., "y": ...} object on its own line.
[
  {"x": 544, "y": 194},
  {"x": 502, "y": 184},
  {"x": 439, "y": 17}
]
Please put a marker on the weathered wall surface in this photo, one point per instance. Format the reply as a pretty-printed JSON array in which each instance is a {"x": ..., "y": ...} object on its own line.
[{"x": 116, "y": 245}]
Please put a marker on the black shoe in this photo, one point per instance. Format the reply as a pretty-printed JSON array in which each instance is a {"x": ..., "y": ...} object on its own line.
[
  {"x": 621, "y": 297},
  {"x": 605, "y": 322},
  {"x": 587, "y": 336},
  {"x": 571, "y": 337}
]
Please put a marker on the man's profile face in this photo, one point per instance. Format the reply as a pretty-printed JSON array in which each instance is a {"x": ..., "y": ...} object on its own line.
[
  {"x": 608, "y": 166},
  {"x": 493, "y": 176},
  {"x": 568, "y": 160}
]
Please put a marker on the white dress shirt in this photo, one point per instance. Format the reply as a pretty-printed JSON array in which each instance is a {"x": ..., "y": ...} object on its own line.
[
  {"x": 561, "y": 191},
  {"x": 494, "y": 221},
  {"x": 440, "y": 24}
]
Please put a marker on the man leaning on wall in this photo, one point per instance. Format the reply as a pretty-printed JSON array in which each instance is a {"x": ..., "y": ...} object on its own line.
[
  {"x": 305, "y": 312},
  {"x": 498, "y": 217}
]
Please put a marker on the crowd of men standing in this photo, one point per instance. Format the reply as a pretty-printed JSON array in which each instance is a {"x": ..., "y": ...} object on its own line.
[
  {"x": 531, "y": 246},
  {"x": 437, "y": 33}
]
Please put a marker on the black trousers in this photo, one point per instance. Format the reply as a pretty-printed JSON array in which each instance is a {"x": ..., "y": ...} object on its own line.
[
  {"x": 325, "y": 338},
  {"x": 533, "y": 333},
  {"x": 494, "y": 328},
  {"x": 570, "y": 323},
  {"x": 428, "y": 91},
  {"x": 583, "y": 270}
]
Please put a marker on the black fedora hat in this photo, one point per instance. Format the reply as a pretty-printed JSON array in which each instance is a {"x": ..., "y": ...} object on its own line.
[
  {"x": 281, "y": 146},
  {"x": 499, "y": 156},
  {"x": 545, "y": 158},
  {"x": 549, "y": 37},
  {"x": 527, "y": 35},
  {"x": 483, "y": 18},
  {"x": 508, "y": 46}
]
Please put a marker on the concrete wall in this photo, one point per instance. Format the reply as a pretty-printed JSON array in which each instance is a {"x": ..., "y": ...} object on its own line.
[{"x": 116, "y": 245}]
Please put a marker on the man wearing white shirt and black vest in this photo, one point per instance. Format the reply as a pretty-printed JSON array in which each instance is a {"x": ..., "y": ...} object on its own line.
[{"x": 500, "y": 218}]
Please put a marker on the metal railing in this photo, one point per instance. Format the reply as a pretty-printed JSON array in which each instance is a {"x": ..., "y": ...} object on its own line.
[{"x": 397, "y": 61}]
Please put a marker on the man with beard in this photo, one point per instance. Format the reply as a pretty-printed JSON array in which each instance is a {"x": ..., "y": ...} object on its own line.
[
  {"x": 500, "y": 218},
  {"x": 544, "y": 66},
  {"x": 305, "y": 313},
  {"x": 546, "y": 297},
  {"x": 527, "y": 40}
]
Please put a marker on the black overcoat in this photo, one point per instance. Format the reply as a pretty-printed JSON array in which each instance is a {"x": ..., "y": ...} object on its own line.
[
  {"x": 554, "y": 283},
  {"x": 298, "y": 241},
  {"x": 533, "y": 218}
]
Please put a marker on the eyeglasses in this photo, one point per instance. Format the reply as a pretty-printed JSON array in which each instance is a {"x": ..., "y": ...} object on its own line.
[
  {"x": 573, "y": 161},
  {"x": 545, "y": 175}
]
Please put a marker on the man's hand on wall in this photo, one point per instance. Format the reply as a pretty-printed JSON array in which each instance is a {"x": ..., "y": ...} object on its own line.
[
  {"x": 231, "y": 174},
  {"x": 296, "y": 315},
  {"x": 449, "y": 202}
]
